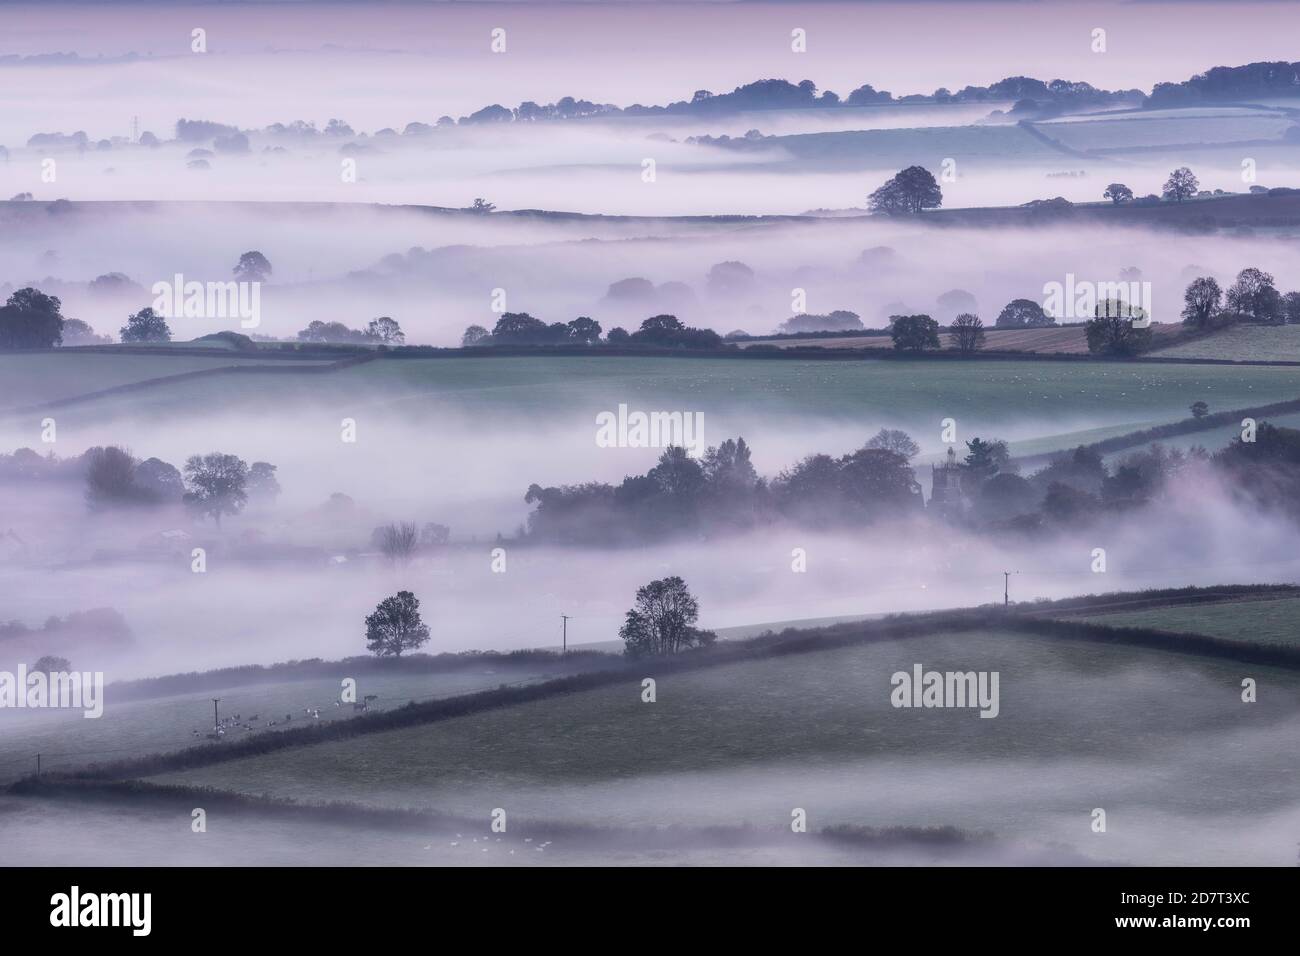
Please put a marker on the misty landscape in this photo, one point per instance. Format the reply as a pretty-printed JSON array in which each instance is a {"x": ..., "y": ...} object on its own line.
[{"x": 596, "y": 434}]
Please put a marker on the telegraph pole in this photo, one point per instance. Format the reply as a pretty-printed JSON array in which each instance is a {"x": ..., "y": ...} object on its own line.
[
  {"x": 1006, "y": 587},
  {"x": 215, "y": 722},
  {"x": 564, "y": 647}
]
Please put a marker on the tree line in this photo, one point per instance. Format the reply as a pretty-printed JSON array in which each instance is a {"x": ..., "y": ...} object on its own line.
[{"x": 721, "y": 493}]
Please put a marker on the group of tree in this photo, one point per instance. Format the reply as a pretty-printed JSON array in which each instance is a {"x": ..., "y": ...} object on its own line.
[
  {"x": 660, "y": 623},
  {"x": 1253, "y": 297},
  {"x": 841, "y": 320},
  {"x": 1079, "y": 488},
  {"x": 103, "y": 627},
  {"x": 1181, "y": 185},
  {"x": 381, "y": 331},
  {"x": 211, "y": 485},
  {"x": 30, "y": 319},
  {"x": 721, "y": 490},
  {"x": 918, "y": 333},
  {"x": 721, "y": 493},
  {"x": 780, "y": 94},
  {"x": 520, "y": 328},
  {"x": 1252, "y": 81}
]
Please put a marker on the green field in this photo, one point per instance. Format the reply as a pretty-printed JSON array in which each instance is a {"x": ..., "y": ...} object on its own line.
[
  {"x": 851, "y": 389},
  {"x": 748, "y": 741},
  {"x": 1165, "y": 128},
  {"x": 785, "y": 408},
  {"x": 1243, "y": 343},
  {"x": 35, "y": 377},
  {"x": 135, "y": 728},
  {"x": 1264, "y": 622}
]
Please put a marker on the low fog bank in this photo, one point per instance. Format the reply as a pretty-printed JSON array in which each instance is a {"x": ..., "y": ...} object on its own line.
[
  {"x": 129, "y": 836},
  {"x": 259, "y": 604},
  {"x": 760, "y": 164},
  {"x": 438, "y": 273}
]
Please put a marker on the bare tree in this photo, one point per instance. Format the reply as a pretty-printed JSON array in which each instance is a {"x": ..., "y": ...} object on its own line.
[
  {"x": 967, "y": 332},
  {"x": 398, "y": 541}
]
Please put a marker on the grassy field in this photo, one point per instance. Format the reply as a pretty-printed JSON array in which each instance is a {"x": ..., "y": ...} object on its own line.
[
  {"x": 35, "y": 377},
  {"x": 1242, "y": 343},
  {"x": 1265, "y": 622},
  {"x": 67, "y": 740},
  {"x": 785, "y": 408},
  {"x": 749, "y": 741},
  {"x": 1166, "y": 128},
  {"x": 834, "y": 389},
  {"x": 979, "y": 146}
]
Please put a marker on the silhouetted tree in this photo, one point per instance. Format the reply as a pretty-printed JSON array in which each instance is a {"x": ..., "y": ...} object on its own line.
[
  {"x": 584, "y": 330},
  {"x": 1181, "y": 184},
  {"x": 31, "y": 320},
  {"x": 892, "y": 439},
  {"x": 159, "y": 480},
  {"x": 1113, "y": 330},
  {"x": 1117, "y": 193},
  {"x": 1254, "y": 297},
  {"x": 398, "y": 541},
  {"x": 967, "y": 332},
  {"x": 386, "y": 331},
  {"x": 253, "y": 267},
  {"x": 395, "y": 626},
  {"x": 262, "y": 483},
  {"x": 217, "y": 484},
  {"x": 145, "y": 326},
  {"x": 110, "y": 478},
  {"x": 908, "y": 192},
  {"x": 663, "y": 620},
  {"x": 985, "y": 458},
  {"x": 1202, "y": 302},
  {"x": 1023, "y": 314},
  {"x": 50, "y": 664},
  {"x": 1290, "y": 308},
  {"x": 914, "y": 333}
]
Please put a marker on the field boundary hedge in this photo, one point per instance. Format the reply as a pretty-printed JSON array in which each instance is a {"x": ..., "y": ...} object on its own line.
[
  {"x": 1184, "y": 426},
  {"x": 789, "y": 641}
]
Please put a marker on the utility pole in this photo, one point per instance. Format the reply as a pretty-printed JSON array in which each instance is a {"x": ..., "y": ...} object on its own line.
[
  {"x": 215, "y": 722},
  {"x": 564, "y": 647},
  {"x": 1006, "y": 587}
]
